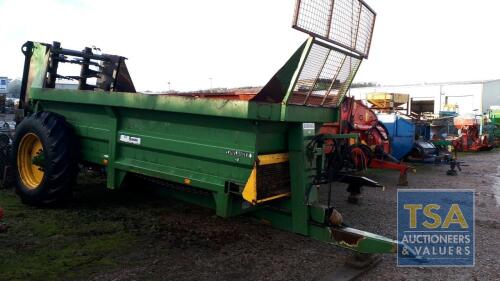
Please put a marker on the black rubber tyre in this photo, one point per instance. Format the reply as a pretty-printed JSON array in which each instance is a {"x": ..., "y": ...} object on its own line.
[{"x": 58, "y": 164}]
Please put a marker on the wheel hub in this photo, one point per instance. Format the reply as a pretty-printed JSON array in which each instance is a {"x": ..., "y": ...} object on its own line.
[{"x": 30, "y": 161}]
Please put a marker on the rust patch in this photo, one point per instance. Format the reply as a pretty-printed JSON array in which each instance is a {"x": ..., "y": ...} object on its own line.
[
  {"x": 394, "y": 248},
  {"x": 342, "y": 236}
]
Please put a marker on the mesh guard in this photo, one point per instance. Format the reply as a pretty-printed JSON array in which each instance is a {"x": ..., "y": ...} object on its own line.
[
  {"x": 345, "y": 23},
  {"x": 325, "y": 77},
  {"x": 269, "y": 179},
  {"x": 320, "y": 73}
]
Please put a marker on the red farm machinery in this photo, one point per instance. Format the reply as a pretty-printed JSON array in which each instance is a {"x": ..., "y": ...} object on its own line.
[
  {"x": 471, "y": 137},
  {"x": 373, "y": 148}
]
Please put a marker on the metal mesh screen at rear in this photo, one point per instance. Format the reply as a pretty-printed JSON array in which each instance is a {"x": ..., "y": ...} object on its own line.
[
  {"x": 273, "y": 179},
  {"x": 325, "y": 77},
  {"x": 346, "y": 23}
]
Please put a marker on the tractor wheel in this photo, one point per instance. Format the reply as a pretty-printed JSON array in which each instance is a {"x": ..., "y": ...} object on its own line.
[{"x": 46, "y": 159}]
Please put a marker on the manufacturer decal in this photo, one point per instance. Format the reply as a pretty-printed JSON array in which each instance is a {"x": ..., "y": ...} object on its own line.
[
  {"x": 237, "y": 154},
  {"x": 130, "y": 139},
  {"x": 308, "y": 126}
]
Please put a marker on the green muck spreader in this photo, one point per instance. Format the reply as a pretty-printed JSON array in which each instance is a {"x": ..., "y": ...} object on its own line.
[{"x": 253, "y": 153}]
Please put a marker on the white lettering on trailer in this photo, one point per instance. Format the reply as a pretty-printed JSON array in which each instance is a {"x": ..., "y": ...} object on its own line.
[
  {"x": 308, "y": 126},
  {"x": 130, "y": 139}
]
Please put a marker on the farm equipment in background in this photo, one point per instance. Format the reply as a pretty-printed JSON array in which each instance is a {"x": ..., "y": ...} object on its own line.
[
  {"x": 391, "y": 113},
  {"x": 3, "y": 226},
  {"x": 374, "y": 147},
  {"x": 409, "y": 133},
  {"x": 6, "y": 135},
  {"x": 3, "y": 99},
  {"x": 429, "y": 153},
  {"x": 401, "y": 133},
  {"x": 471, "y": 137},
  {"x": 390, "y": 103},
  {"x": 494, "y": 116},
  {"x": 247, "y": 155}
]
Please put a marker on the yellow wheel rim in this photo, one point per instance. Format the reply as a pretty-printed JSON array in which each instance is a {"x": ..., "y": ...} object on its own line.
[{"x": 30, "y": 149}]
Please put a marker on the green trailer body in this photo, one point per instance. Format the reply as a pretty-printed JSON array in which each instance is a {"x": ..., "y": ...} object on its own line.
[{"x": 240, "y": 156}]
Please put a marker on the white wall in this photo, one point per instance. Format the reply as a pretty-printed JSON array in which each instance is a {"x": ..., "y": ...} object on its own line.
[
  {"x": 467, "y": 96},
  {"x": 491, "y": 94}
]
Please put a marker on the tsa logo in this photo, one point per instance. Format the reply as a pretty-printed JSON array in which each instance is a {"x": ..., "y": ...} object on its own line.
[{"x": 436, "y": 227}]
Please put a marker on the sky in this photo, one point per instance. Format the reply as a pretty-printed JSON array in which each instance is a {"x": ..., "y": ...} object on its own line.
[{"x": 196, "y": 44}]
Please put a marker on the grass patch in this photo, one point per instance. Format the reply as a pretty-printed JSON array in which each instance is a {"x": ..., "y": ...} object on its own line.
[
  {"x": 66, "y": 243},
  {"x": 100, "y": 231}
]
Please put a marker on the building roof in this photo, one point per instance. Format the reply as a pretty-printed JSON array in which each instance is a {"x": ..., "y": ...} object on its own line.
[{"x": 438, "y": 83}]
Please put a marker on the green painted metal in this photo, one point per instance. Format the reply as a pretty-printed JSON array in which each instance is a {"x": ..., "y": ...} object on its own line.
[
  {"x": 355, "y": 239},
  {"x": 38, "y": 66},
  {"x": 282, "y": 85},
  {"x": 300, "y": 179},
  {"x": 279, "y": 88},
  {"x": 494, "y": 115},
  {"x": 210, "y": 145},
  {"x": 442, "y": 144},
  {"x": 213, "y": 107},
  {"x": 306, "y": 51}
]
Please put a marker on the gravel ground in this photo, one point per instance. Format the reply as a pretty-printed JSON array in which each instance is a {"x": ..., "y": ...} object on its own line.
[
  {"x": 483, "y": 175},
  {"x": 246, "y": 251},
  {"x": 161, "y": 239}
]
